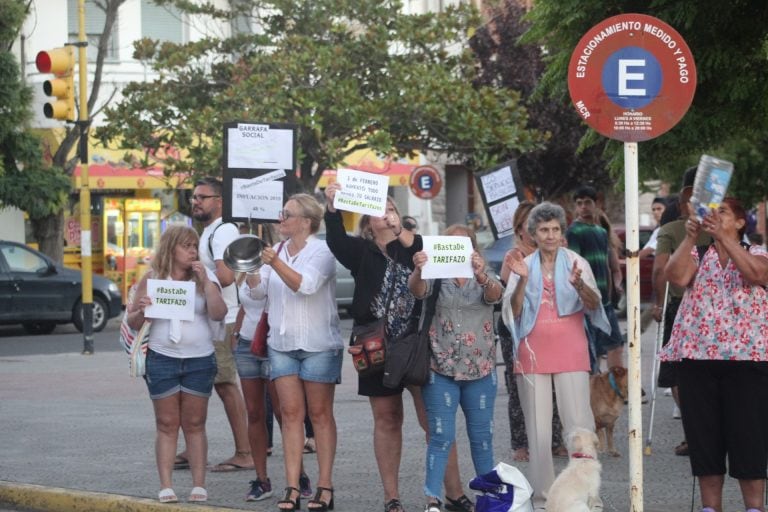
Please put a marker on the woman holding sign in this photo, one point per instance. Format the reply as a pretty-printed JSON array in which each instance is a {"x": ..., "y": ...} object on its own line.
[
  {"x": 463, "y": 363},
  {"x": 719, "y": 337},
  {"x": 547, "y": 296},
  {"x": 305, "y": 346},
  {"x": 180, "y": 360},
  {"x": 381, "y": 259}
]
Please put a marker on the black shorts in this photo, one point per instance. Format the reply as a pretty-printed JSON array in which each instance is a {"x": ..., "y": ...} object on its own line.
[
  {"x": 668, "y": 370},
  {"x": 373, "y": 385},
  {"x": 724, "y": 405}
]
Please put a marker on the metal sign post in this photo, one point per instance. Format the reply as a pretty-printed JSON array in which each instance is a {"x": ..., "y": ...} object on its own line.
[{"x": 632, "y": 78}]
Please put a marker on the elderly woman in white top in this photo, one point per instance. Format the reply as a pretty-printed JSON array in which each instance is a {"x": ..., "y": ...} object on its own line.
[
  {"x": 548, "y": 294},
  {"x": 305, "y": 345}
]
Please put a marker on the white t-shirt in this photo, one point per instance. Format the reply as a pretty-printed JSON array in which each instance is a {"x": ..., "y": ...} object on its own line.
[
  {"x": 224, "y": 236},
  {"x": 651, "y": 243},
  {"x": 306, "y": 319}
]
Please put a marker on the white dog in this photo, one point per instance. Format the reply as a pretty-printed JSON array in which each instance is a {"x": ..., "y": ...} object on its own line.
[{"x": 577, "y": 487}]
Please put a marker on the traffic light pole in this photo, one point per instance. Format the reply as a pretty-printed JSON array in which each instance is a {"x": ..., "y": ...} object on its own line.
[{"x": 85, "y": 191}]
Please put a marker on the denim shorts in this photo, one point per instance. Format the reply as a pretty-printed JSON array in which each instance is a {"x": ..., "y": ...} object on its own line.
[
  {"x": 324, "y": 366},
  {"x": 169, "y": 375},
  {"x": 248, "y": 365}
]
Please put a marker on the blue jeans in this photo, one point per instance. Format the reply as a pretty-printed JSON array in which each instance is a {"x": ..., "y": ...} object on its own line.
[{"x": 442, "y": 396}]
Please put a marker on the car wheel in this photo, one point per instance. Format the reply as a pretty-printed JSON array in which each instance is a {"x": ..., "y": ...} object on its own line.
[
  {"x": 100, "y": 314},
  {"x": 39, "y": 327}
]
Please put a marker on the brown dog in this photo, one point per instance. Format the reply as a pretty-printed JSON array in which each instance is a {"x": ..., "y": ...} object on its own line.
[{"x": 607, "y": 392}]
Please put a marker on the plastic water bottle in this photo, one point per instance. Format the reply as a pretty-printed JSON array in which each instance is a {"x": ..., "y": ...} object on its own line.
[{"x": 712, "y": 178}]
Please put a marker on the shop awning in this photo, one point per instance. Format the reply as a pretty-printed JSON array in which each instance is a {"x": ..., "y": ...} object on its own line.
[{"x": 111, "y": 177}]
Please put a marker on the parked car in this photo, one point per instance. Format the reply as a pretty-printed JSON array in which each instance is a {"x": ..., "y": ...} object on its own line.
[
  {"x": 646, "y": 265},
  {"x": 38, "y": 293}
]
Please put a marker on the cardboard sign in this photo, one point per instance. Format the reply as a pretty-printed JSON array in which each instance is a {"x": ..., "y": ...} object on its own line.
[
  {"x": 171, "y": 299},
  {"x": 449, "y": 256},
  {"x": 361, "y": 192}
]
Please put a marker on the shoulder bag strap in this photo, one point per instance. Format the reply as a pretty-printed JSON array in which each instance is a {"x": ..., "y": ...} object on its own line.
[{"x": 430, "y": 305}]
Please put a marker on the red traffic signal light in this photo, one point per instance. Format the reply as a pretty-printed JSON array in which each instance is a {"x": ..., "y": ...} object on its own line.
[{"x": 60, "y": 62}]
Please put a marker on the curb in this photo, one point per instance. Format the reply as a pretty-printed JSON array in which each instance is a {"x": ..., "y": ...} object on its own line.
[{"x": 55, "y": 499}]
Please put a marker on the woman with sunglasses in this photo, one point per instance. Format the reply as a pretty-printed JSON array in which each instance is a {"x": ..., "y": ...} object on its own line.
[{"x": 305, "y": 347}]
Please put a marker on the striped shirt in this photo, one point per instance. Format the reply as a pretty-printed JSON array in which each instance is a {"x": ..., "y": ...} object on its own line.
[{"x": 590, "y": 241}]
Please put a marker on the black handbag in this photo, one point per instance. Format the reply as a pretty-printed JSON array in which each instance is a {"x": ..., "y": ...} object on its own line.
[{"x": 408, "y": 357}]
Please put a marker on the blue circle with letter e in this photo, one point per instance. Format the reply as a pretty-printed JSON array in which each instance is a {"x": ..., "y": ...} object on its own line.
[
  {"x": 425, "y": 182},
  {"x": 632, "y": 77}
]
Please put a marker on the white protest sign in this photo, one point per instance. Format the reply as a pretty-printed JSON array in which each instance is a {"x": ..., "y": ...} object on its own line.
[
  {"x": 257, "y": 146},
  {"x": 361, "y": 192},
  {"x": 448, "y": 256},
  {"x": 171, "y": 299},
  {"x": 498, "y": 184},
  {"x": 256, "y": 198}
]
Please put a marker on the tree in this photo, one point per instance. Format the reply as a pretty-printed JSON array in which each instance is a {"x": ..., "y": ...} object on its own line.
[
  {"x": 25, "y": 181},
  {"x": 729, "y": 41},
  {"x": 558, "y": 167},
  {"x": 351, "y": 74}
]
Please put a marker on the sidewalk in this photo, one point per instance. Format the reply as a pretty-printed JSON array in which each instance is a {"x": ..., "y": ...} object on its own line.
[{"x": 77, "y": 433}]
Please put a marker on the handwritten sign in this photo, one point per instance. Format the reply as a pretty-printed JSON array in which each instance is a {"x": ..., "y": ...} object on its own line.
[
  {"x": 258, "y": 146},
  {"x": 498, "y": 184},
  {"x": 502, "y": 214},
  {"x": 262, "y": 201},
  {"x": 171, "y": 299},
  {"x": 449, "y": 256},
  {"x": 361, "y": 192}
]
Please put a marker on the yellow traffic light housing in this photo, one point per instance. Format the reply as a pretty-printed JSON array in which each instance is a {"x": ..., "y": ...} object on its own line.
[{"x": 60, "y": 62}]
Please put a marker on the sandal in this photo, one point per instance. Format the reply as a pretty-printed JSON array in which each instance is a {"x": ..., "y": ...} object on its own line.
[
  {"x": 309, "y": 445},
  {"x": 433, "y": 507},
  {"x": 393, "y": 505},
  {"x": 167, "y": 496},
  {"x": 198, "y": 494},
  {"x": 520, "y": 455},
  {"x": 682, "y": 449},
  {"x": 295, "y": 504},
  {"x": 321, "y": 506},
  {"x": 460, "y": 504}
]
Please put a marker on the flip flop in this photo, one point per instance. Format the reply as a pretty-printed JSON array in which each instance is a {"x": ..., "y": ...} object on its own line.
[
  {"x": 167, "y": 496},
  {"x": 228, "y": 467},
  {"x": 180, "y": 463},
  {"x": 198, "y": 494}
]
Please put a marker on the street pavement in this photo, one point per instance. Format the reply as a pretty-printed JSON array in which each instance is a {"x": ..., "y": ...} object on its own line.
[{"x": 77, "y": 433}]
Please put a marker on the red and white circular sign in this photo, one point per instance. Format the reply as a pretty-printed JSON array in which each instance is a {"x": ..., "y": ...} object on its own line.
[
  {"x": 425, "y": 182},
  {"x": 632, "y": 77}
]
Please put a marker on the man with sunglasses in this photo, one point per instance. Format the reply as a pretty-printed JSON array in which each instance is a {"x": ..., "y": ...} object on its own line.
[{"x": 216, "y": 236}]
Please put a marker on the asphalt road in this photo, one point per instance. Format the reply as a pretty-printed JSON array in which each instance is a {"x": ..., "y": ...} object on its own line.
[{"x": 79, "y": 423}]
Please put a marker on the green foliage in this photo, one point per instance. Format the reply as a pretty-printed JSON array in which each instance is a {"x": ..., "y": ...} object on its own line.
[
  {"x": 24, "y": 181},
  {"x": 350, "y": 74},
  {"x": 728, "y": 41}
]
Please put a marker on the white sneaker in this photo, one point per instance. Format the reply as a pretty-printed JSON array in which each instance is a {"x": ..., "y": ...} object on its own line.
[
  {"x": 676, "y": 412},
  {"x": 668, "y": 392}
]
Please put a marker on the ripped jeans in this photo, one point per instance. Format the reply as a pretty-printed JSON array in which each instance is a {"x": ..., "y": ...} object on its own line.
[{"x": 442, "y": 396}]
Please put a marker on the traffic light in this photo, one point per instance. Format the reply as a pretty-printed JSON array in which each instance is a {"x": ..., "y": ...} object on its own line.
[{"x": 60, "y": 62}]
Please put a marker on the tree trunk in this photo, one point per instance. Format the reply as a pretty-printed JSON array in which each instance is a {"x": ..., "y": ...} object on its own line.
[{"x": 49, "y": 233}]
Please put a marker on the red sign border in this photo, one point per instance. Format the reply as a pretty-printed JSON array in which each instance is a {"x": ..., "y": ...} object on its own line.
[{"x": 585, "y": 81}]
